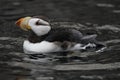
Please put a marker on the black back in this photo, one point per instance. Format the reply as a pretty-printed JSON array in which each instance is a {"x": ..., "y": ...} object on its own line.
[{"x": 60, "y": 35}]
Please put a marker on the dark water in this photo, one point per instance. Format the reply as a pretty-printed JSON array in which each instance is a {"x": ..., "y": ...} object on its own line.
[{"x": 99, "y": 17}]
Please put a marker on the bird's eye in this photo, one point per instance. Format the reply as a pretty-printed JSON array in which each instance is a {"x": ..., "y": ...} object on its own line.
[{"x": 40, "y": 23}]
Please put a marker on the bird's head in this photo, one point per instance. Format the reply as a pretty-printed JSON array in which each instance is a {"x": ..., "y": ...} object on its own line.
[{"x": 38, "y": 25}]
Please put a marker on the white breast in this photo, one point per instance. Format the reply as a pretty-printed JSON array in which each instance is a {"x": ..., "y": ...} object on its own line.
[
  {"x": 46, "y": 47},
  {"x": 41, "y": 47}
]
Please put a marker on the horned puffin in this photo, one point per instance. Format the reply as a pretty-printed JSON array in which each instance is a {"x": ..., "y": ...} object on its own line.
[{"x": 45, "y": 39}]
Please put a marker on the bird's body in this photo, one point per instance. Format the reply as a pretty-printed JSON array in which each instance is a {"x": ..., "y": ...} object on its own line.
[
  {"x": 56, "y": 40},
  {"x": 44, "y": 39}
]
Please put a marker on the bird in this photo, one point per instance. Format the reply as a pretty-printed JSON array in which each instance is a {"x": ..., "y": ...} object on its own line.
[{"x": 44, "y": 38}]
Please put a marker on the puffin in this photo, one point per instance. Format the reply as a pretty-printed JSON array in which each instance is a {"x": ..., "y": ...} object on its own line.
[{"x": 44, "y": 38}]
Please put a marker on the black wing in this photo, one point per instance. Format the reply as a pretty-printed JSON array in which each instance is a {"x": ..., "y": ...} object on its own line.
[
  {"x": 92, "y": 39},
  {"x": 62, "y": 35}
]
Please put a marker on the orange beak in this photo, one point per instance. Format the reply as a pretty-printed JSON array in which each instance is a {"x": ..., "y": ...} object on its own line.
[{"x": 23, "y": 23}]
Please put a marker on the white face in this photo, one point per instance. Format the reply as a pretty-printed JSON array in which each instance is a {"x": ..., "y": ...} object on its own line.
[{"x": 39, "y": 26}]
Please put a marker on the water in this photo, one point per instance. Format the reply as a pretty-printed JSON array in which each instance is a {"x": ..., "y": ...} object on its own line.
[
  {"x": 103, "y": 20},
  {"x": 60, "y": 64}
]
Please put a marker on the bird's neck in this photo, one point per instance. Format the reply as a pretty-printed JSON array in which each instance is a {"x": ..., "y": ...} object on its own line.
[{"x": 33, "y": 38}]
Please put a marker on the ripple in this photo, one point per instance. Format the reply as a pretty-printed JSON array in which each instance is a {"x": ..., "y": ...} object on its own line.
[
  {"x": 105, "y": 5},
  {"x": 109, "y": 27},
  {"x": 16, "y": 3},
  {"x": 13, "y": 12},
  {"x": 88, "y": 67},
  {"x": 116, "y": 11},
  {"x": 10, "y": 13}
]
